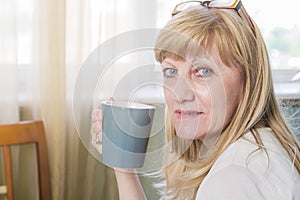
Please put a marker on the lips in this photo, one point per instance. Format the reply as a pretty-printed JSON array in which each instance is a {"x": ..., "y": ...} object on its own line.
[{"x": 187, "y": 114}]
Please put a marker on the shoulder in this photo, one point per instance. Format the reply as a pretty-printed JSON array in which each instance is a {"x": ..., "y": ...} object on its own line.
[
  {"x": 246, "y": 152},
  {"x": 231, "y": 182},
  {"x": 243, "y": 169},
  {"x": 240, "y": 153}
]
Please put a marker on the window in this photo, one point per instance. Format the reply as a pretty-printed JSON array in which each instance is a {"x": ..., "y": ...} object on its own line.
[{"x": 280, "y": 27}]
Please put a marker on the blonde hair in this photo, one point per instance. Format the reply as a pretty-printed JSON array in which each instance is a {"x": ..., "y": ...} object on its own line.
[{"x": 244, "y": 47}]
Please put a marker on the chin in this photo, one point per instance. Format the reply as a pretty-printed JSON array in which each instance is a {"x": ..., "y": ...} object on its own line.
[{"x": 189, "y": 134}]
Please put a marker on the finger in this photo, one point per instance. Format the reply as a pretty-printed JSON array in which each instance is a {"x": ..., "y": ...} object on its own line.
[
  {"x": 96, "y": 115},
  {"x": 96, "y": 128},
  {"x": 97, "y": 145},
  {"x": 111, "y": 99},
  {"x": 99, "y": 136}
]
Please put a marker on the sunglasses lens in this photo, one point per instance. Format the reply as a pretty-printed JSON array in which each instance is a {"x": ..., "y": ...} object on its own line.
[
  {"x": 187, "y": 5},
  {"x": 223, "y": 3}
]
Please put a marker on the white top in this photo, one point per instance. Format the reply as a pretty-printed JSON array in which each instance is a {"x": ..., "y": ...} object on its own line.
[{"x": 241, "y": 173}]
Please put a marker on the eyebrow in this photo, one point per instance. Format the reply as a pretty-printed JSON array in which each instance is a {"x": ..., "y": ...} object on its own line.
[{"x": 166, "y": 62}]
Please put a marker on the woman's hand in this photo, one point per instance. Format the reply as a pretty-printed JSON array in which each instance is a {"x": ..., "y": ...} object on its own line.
[
  {"x": 129, "y": 185},
  {"x": 96, "y": 129}
]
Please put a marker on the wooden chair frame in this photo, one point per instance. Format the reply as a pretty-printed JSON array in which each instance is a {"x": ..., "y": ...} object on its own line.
[{"x": 23, "y": 133}]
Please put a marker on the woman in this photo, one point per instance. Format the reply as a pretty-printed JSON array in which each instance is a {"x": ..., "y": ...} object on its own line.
[{"x": 225, "y": 133}]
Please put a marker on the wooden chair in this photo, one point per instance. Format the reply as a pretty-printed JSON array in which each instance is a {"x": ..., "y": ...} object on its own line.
[{"x": 23, "y": 133}]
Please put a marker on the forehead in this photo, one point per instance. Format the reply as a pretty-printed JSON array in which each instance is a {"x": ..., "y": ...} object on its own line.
[
  {"x": 178, "y": 46},
  {"x": 208, "y": 54}
]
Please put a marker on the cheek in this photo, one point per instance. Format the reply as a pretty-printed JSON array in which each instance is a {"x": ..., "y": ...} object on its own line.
[
  {"x": 233, "y": 99},
  {"x": 218, "y": 108},
  {"x": 218, "y": 96},
  {"x": 208, "y": 96},
  {"x": 228, "y": 98},
  {"x": 169, "y": 95},
  {"x": 219, "y": 104}
]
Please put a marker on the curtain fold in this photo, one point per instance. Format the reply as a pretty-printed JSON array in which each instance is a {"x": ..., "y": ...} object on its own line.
[
  {"x": 9, "y": 109},
  {"x": 48, "y": 62},
  {"x": 86, "y": 178}
]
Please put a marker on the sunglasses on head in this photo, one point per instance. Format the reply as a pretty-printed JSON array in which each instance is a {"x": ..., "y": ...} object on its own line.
[{"x": 221, "y": 4}]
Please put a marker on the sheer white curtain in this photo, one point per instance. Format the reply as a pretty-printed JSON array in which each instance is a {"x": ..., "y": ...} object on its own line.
[
  {"x": 8, "y": 63},
  {"x": 9, "y": 87},
  {"x": 33, "y": 82},
  {"x": 43, "y": 44}
]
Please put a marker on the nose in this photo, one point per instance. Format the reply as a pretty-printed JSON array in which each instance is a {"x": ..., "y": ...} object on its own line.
[{"x": 183, "y": 90}]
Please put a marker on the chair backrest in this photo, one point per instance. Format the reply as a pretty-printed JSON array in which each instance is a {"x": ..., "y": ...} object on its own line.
[{"x": 23, "y": 133}]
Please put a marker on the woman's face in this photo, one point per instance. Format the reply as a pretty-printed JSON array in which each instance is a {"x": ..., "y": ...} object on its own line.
[{"x": 201, "y": 94}]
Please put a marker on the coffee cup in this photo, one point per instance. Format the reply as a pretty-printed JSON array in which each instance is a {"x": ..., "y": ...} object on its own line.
[{"x": 126, "y": 128}]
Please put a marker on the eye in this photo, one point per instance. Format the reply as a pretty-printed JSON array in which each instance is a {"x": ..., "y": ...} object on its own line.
[
  {"x": 204, "y": 72},
  {"x": 169, "y": 72}
]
